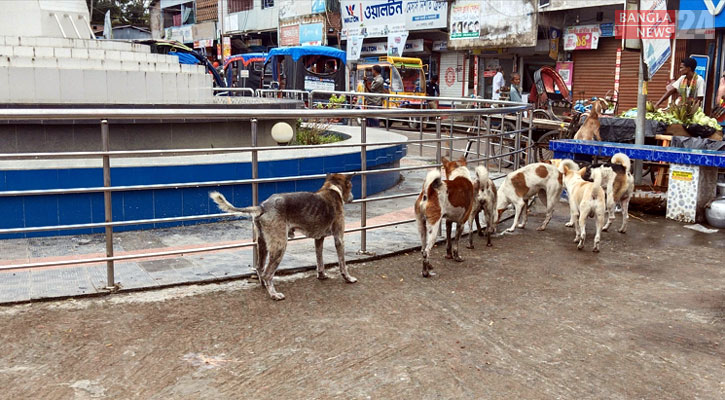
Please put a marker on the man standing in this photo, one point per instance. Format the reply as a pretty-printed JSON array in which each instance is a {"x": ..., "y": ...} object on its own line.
[
  {"x": 376, "y": 86},
  {"x": 497, "y": 84},
  {"x": 433, "y": 90},
  {"x": 515, "y": 93}
]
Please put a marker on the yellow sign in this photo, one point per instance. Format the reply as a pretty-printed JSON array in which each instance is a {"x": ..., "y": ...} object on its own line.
[{"x": 682, "y": 175}]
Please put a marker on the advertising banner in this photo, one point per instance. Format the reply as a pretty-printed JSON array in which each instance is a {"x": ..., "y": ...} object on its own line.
[
  {"x": 465, "y": 20},
  {"x": 371, "y": 18},
  {"x": 354, "y": 47},
  {"x": 289, "y": 35},
  {"x": 396, "y": 44},
  {"x": 298, "y": 8},
  {"x": 555, "y": 36},
  {"x": 655, "y": 47},
  {"x": 425, "y": 14},
  {"x": 566, "y": 70},
  {"x": 582, "y": 37},
  {"x": 311, "y": 34}
]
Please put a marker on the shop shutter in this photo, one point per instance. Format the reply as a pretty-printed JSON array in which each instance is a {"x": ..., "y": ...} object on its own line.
[
  {"x": 629, "y": 79},
  {"x": 451, "y": 76},
  {"x": 594, "y": 70}
]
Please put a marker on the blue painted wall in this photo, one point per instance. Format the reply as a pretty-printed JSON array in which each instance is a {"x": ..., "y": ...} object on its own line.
[{"x": 32, "y": 211}]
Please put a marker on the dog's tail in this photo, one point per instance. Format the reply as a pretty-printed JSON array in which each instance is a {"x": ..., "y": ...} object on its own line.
[
  {"x": 482, "y": 174},
  {"x": 432, "y": 180},
  {"x": 623, "y": 160},
  {"x": 226, "y": 206},
  {"x": 570, "y": 164}
]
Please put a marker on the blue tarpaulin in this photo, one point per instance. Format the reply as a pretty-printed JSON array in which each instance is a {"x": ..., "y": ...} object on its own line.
[
  {"x": 298, "y": 51},
  {"x": 184, "y": 58}
]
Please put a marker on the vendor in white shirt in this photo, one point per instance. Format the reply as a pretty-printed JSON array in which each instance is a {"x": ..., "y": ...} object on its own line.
[
  {"x": 690, "y": 85},
  {"x": 498, "y": 83}
]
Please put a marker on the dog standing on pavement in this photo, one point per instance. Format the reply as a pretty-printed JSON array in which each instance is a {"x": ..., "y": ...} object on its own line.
[
  {"x": 451, "y": 199},
  {"x": 586, "y": 199},
  {"x": 484, "y": 200},
  {"x": 316, "y": 215},
  {"x": 540, "y": 179},
  {"x": 617, "y": 180}
]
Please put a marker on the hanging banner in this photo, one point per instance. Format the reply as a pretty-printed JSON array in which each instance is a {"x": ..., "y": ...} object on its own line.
[
  {"x": 554, "y": 35},
  {"x": 354, "y": 47},
  {"x": 659, "y": 27},
  {"x": 396, "y": 44},
  {"x": 582, "y": 37},
  {"x": 425, "y": 14},
  {"x": 465, "y": 20},
  {"x": 566, "y": 70}
]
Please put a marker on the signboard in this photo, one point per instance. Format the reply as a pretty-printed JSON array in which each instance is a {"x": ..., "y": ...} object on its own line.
[
  {"x": 298, "y": 8},
  {"x": 655, "y": 51},
  {"x": 203, "y": 43},
  {"x": 425, "y": 14},
  {"x": 318, "y": 6},
  {"x": 503, "y": 23},
  {"x": 583, "y": 37},
  {"x": 554, "y": 35},
  {"x": 311, "y": 34},
  {"x": 465, "y": 20},
  {"x": 703, "y": 65},
  {"x": 289, "y": 35},
  {"x": 440, "y": 45},
  {"x": 701, "y": 15},
  {"x": 371, "y": 18},
  {"x": 607, "y": 30},
  {"x": 411, "y": 46},
  {"x": 354, "y": 47},
  {"x": 566, "y": 70},
  {"x": 396, "y": 44},
  {"x": 317, "y": 83}
]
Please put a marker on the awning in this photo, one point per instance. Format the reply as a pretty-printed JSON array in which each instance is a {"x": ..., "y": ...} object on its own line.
[{"x": 298, "y": 51}]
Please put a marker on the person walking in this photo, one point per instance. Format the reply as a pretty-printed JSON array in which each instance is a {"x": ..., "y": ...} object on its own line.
[
  {"x": 375, "y": 85},
  {"x": 498, "y": 82}
]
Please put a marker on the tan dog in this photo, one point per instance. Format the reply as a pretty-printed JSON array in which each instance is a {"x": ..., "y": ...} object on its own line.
[
  {"x": 586, "y": 199},
  {"x": 316, "y": 215},
  {"x": 617, "y": 180},
  {"x": 452, "y": 199},
  {"x": 540, "y": 179},
  {"x": 485, "y": 200},
  {"x": 590, "y": 129}
]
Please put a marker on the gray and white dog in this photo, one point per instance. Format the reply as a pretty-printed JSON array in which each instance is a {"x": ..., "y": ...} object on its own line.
[{"x": 316, "y": 215}]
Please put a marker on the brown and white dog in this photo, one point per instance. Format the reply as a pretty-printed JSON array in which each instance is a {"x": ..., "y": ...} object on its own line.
[
  {"x": 586, "y": 199},
  {"x": 316, "y": 215},
  {"x": 485, "y": 200},
  {"x": 451, "y": 199},
  {"x": 540, "y": 179},
  {"x": 618, "y": 182},
  {"x": 590, "y": 129}
]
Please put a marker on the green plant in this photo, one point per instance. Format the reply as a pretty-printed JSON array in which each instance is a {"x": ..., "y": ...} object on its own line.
[{"x": 314, "y": 134}]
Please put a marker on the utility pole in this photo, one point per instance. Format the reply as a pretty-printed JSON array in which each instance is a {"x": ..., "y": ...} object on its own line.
[
  {"x": 641, "y": 113},
  {"x": 221, "y": 5}
]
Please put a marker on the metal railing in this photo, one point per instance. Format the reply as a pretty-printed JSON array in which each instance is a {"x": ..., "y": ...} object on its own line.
[{"x": 483, "y": 131}]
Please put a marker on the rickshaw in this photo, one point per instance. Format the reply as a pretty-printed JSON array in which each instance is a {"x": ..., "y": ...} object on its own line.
[
  {"x": 186, "y": 55},
  {"x": 404, "y": 76},
  {"x": 247, "y": 71},
  {"x": 307, "y": 68}
]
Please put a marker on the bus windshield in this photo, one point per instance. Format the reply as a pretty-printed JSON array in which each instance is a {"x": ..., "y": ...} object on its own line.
[{"x": 411, "y": 79}]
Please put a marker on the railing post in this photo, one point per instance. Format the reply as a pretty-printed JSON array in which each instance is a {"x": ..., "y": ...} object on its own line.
[
  {"x": 420, "y": 135},
  {"x": 450, "y": 141},
  {"x": 438, "y": 139},
  {"x": 478, "y": 140},
  {"x": 530, "y": 144},
  {"x": 501, "y": 141},
  {"x": 488, "y": 140},
  {"x": 517, "y": 155},
  {"x": 255, "y": 190},
  {"x": 107, "y": 205},
  {"x": 364, "y": 186}
]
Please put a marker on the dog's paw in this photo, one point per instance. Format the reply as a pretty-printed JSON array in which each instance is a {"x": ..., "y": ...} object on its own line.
[
  {"x": 428, "y": 274},
  {"x": 322, "y": 276},
  {"x": 277, "y": 296},
  {"x": 350, "y": 279},
  {"x": 470, "y": 246},
  {"x": 580, "y": 245},
  {"x": 569, "y": 224},
  {"x": 622, "y": 230},
  {"x": 521, "y": 226},
  {"x": 449, "y": 256},
  {"x": 576, "y": 239},
  {"x": 489, "y": 245},
  {"x": 605, "y": 229},
  {"x": 457, "y": 258},
  {"x": 541, "y": 228},
  {"x": 596, "y": 249}
]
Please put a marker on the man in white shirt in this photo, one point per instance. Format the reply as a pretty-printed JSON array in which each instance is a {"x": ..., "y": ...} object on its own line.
[
  {"x": 497, "y": 84},
  {"x": 690, "y": 85}
]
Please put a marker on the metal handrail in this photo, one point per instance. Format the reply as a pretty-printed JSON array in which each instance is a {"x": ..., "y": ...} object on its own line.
[{"x": 482, "y": 132}]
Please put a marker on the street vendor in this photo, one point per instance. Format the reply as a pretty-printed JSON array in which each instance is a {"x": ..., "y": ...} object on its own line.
[{"x": 690, "y": 85}]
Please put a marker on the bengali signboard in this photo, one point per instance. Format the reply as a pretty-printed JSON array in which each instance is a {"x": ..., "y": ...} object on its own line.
[
  {"x": 582, "y": 37},
  {"x": 465, "y": 20},
  {"x": 425, "y": 14},
  {"x": 372, "y": 18},
  {"x": 289, "y": 35},
  {"x": 298, "y": 8},
  {"x": 311, "y": 34}
]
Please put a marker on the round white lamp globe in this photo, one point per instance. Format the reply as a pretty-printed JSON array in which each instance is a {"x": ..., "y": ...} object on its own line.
[{"x": 282, "y": 132}]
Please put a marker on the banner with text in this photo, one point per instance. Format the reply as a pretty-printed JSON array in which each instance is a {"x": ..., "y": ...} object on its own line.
[
  {"x": 465, "y": 20},
  {"x": 396, "y": 43}
]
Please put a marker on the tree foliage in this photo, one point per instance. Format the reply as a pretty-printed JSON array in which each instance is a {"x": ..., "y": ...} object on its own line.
[{"x": 123, "y": 12}]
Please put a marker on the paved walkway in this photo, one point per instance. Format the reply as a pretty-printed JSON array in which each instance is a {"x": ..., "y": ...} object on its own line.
[{"x": 86, "y": 279}]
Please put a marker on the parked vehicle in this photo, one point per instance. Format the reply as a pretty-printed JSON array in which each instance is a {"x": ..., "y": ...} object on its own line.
[
  {"x": 550, "y": 95},
  {"x": 247, "y": 71},
  {"x": 307, "y": 68},
  {"x": 186, "y": 55},
  {"x": 403, "y": 75}
]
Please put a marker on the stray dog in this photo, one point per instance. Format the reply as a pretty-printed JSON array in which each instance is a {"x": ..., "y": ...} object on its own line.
[
  {"x": 485, "y": 200},
  {"x": 586, "y": 199},
  {"x": 590, "y": 129},
  {"x": 618, "y": 182},
  {"x": 316, "y": 215},
  {"x": 452, "y": 199},
  {"x": 540, "y": 179}
]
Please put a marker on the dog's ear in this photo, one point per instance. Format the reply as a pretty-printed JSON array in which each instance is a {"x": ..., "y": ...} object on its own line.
[
  {"x": 462, "y": 161},
  {"x": 582, "y": 171},
  {"x": 444, "y": 161},
  {"x": 566, "y": 169}
]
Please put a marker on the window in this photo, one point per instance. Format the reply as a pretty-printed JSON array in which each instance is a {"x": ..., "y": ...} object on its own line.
[
  {"x": 240, "y": 5},
  {"x": 320, "y": 65},
  {"x": 267, "y": 4},
  {"x": 544, "y": 3}
]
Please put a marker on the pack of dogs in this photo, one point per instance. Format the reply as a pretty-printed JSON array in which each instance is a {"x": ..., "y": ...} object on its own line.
[{"x": 454, "y": 194}]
